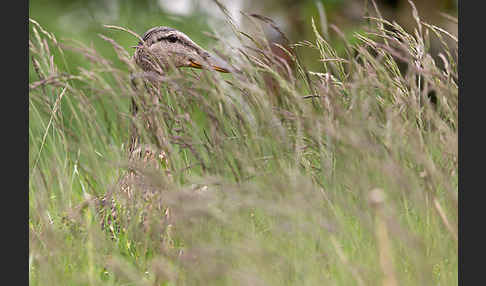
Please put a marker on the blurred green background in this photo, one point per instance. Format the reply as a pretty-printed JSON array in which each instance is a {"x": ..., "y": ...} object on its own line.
[
  {"x": 78, "y": 153},
  {"x": 83, "y": 20}
]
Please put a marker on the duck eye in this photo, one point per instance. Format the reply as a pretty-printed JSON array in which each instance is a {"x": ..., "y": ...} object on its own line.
[{"x": 172, "y": 38}]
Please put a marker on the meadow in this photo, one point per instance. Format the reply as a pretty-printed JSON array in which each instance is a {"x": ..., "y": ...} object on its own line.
[{"x": 276, "y": 174}]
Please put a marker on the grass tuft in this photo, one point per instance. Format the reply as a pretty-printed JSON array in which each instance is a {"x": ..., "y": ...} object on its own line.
[{"x": 273, "y": 175}]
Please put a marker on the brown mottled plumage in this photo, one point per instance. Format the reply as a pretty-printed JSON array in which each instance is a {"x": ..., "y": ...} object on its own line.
[{"x": 161, "y": 49}]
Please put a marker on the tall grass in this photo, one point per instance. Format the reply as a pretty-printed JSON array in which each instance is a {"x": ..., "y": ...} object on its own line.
[{"x": 273, "y": 175}]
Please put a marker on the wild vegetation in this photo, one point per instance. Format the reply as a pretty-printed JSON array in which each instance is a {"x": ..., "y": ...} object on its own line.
[{"x": 273, "y": 175}]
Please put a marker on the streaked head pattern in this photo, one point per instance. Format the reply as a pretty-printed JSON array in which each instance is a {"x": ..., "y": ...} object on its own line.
[{"x": 173, "y": 48}]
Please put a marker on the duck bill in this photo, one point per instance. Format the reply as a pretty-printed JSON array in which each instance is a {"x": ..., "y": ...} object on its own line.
[{"x": 213, "y": 63}]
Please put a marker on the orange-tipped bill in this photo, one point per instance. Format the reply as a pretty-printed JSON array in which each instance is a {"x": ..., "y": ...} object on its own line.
[{"x": 214, "y": 63}]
